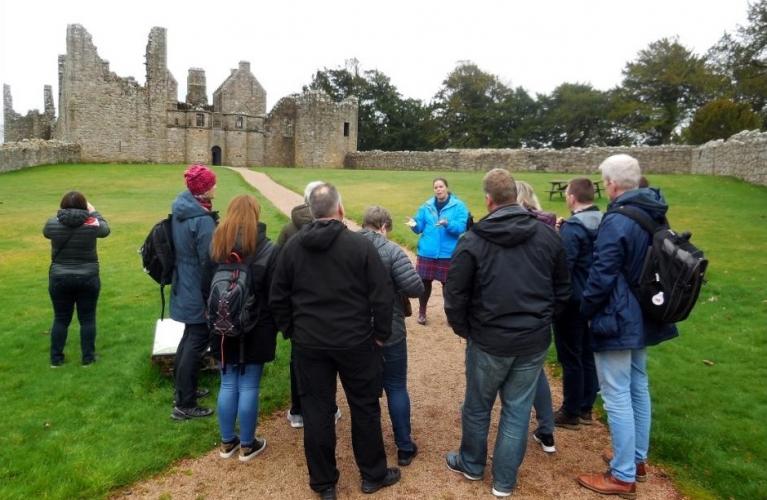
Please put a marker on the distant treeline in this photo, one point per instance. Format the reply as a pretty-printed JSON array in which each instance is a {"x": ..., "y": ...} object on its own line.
[{"x": 668, "y": 95}]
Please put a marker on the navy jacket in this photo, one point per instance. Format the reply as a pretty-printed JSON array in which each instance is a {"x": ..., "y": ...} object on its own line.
[
  {"x": 193, "y": 228},
  {"x": 578, "y": 234},
  {"x": 507, "y": 281},
  {"x": 617, "y": 322}
]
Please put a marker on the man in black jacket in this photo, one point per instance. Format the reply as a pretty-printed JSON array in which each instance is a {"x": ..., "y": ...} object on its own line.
[
  {"x": 508, "y": 279},
  {"x": 332, "y": 296}
]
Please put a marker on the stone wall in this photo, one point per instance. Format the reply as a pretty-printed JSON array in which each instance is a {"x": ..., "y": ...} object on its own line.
[
  {"x": 659, "y": 159},
  {"x": 29, "y": 153},
  {"x": 325, "y": 131},
  {"x": 33, "y": 125},
  {"x": 743, "y": 155}
]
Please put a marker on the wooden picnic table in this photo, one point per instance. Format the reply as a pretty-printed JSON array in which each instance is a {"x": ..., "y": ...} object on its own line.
[{"x": 559, "y": 187}]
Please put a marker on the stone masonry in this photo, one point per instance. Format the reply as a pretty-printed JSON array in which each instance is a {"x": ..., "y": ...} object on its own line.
[
  {"x": 115, "y": 119},
  {"x": 30, "y": 153}
]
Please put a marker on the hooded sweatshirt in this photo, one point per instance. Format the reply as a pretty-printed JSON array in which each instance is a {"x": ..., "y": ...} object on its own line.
[
  {"x": 299, "y": 217},
  {"x": 578, "y": 234},
  {"x": 507, "y": 280},
  {"x": 330, "y": 289},
  {"x": 73, "y": 234}
]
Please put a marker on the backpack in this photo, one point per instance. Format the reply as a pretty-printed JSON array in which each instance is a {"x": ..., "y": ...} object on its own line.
[
  {"x": 158, "y": 256},
  {"x": 673, "y": 272},
  {"x": 232, "y": 305}
]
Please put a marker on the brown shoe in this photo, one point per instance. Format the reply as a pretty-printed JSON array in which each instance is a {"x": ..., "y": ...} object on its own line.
[
  {"x": 641, "y": 470},
  {"x": 607, "y": 484}
]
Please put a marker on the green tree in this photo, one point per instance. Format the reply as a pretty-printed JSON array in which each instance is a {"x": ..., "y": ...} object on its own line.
[
  {"x": 576, "y": 115},
  {"x": 742, "y": 59},
  {"x": 719, "y": 119},
  {"x": 386, "y": 120},
  {"x": 662, "y": 88},
  {"x": 474, "y": 109}
]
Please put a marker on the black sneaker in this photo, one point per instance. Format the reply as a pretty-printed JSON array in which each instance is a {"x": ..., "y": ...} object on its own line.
[
  {"x": 546, "y": 441},
  {"x": 229, "y": 449},
  {"x": 391, "y": 477},
  {"x": 328, "y": 493},
  {"x": 247, "y": 453},
  {"x": 404, "y": 458},
  {"x": 565, "y": 420},
  {"x": 198, "y": 394},
  {"x": 454, "y": 464},
  {"x": 187, "y": 413}
]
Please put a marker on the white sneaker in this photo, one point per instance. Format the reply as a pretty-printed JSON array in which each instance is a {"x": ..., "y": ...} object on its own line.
[
  {"x": 338, "y": 414},
  {"x": 501, "y": 494},
  {"x": 296, "y": 421}
]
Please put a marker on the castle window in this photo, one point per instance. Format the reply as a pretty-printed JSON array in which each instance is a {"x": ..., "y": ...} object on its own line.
[
  {"x": 239, "y": 122},
  {"x": 200, "y": 119},
  {"x": 177, "y": 122},
  {"x": 288, "y": 131},
  {"x": 346, "y": 129}
]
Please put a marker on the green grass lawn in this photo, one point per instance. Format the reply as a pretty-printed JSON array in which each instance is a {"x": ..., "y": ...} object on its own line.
[
  {"x": 79, "y": 433},
  {"x": 708, "y": 418}
]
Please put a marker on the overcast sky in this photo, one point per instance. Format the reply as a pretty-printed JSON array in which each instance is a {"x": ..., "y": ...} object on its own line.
[{"x": 534, "y": 44}]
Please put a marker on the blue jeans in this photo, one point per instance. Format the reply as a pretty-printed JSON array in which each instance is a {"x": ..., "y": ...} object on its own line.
[
  {"x": 67, "y": 292},
  {"x": 515, "y": 378},
  {"x": 626, "y": 394},
  {"x": 544, "y": 412},
  {"x": 238, "y": 397},
  {"x": 395, "y": 385}
]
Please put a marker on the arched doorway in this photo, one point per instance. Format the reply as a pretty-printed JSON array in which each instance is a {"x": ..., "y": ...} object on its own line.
[{"x": 216, "y": 154}]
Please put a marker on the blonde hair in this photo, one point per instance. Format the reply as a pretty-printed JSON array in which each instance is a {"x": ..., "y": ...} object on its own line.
[
  {"x": 526, "y": 196},
  {"x": 238, "y": 230}
]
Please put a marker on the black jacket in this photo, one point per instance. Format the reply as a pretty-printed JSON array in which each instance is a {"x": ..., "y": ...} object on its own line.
[
  {"x": 330, "y": 289},
  {"x": 299, "y": 217},
  {"x": 260, "y": 343},
  {"x": 73, "y": 234},
  {"x": 507, "y": 280}
]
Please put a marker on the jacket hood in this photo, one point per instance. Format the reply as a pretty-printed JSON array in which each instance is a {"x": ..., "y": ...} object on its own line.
[
  {"x": 318, "y": 235},
  {"x": 72, "y": 217},
  {"x": 507, "y": 226},
  {"x": 589, "y": 218},
  {"x": 185, "y": 206},
  {"x": 648, "y": 199},
  {"x": 301, "y": 215}
]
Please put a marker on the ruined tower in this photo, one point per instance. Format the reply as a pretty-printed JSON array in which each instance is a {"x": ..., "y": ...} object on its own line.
[{"x": 196, "y": 90}]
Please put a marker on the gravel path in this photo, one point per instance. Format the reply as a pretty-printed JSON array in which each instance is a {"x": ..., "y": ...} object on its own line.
[{"x": 436, "y": 389}]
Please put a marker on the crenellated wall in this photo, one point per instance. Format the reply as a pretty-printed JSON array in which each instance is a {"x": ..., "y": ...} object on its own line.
[{"x": 30, "y": 153}]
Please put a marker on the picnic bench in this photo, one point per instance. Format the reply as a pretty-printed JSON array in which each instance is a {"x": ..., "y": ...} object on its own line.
[{"x": 559, "y": 187}]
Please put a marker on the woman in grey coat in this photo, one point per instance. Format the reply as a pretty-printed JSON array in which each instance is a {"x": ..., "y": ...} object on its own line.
[
  {"x": 73, "y": 278},
  {"x": 407, "y": 283}
]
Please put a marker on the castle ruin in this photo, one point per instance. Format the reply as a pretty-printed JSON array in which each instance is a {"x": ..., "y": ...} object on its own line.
[{"x": 115, "y": 119}]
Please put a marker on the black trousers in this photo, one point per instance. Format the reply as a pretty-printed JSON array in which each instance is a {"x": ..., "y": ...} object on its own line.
[
  {"x": 186, "y": 369},
  {"x": 361, "y": 372},
  {"x": 68, "y": 292},
  {"x": 579, "y": 376}
]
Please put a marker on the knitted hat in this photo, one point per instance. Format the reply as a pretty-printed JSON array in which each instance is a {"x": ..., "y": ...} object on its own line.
[{"x": 199, "y": 179}]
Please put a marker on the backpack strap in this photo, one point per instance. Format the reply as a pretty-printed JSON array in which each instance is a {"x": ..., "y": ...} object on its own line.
[{"x": 640, "y": 217}]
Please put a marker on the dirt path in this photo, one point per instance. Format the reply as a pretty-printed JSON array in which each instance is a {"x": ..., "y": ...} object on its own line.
[{"x": 436, "y": 389}]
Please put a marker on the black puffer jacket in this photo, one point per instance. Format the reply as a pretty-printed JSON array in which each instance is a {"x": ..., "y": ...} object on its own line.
[
  {"x": 405, "y": 279},
  {"x": 508, "y": 279},
  {"x": 73, "y": 234},
  {"x": 330, "y": 289},
  {"x": 260, "y": 343}
]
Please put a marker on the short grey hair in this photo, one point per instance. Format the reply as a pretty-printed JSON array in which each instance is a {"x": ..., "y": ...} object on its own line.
[
  {"x": 377, "y": 217},
  {"x": 623, "y": 170},
  {"x": 309, "y": 188},
  {"x": 324, "y": 201}
]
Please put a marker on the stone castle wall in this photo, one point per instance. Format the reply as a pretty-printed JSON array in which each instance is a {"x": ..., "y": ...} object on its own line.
[
  {"x": 743, "y": 155},
  {"x": 29, "y": 153},
  {"x": 658, "y": 159},
  {"x": 33, "y": 125}
]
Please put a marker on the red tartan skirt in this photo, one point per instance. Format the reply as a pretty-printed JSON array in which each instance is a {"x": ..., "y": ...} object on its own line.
[{"x": 432, "y": 269}]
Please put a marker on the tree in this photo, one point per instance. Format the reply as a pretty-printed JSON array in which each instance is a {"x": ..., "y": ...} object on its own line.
[
  {"x": 474, "y": 109},
  {"x": 662, "y": 88},
  {"x": 742, "y": 59},
  {"x": 576, "y": 115},
  {"x": 386, "y": 120},
  {"x": 719, "y": 119}
]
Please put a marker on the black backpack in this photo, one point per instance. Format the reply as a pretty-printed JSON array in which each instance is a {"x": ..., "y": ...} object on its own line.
[
  {"x": 673, "y": 271},
  {"x": 232, "y": 308},
  {"x": 158, "y": 256}
]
